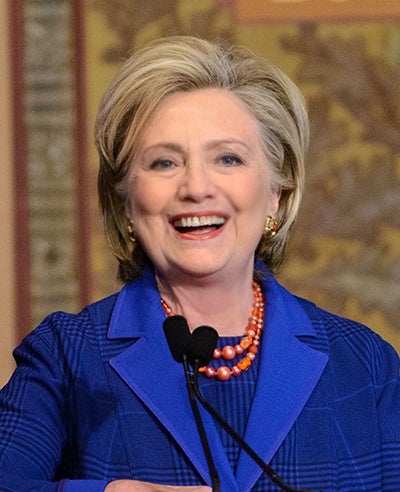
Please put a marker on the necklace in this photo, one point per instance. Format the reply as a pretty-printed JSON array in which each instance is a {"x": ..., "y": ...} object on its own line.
[{"x": 249, "y": 342}]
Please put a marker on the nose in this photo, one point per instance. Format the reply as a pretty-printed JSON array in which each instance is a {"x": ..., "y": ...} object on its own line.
[{"x": 197, "y": 182}]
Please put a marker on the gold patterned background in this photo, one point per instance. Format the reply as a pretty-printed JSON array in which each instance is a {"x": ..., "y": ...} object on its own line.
[{"x": 345, "y": 251}]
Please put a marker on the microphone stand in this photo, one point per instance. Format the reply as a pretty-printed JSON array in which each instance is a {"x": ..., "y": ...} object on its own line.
[
  {"x": 271, "y": 474},
  {"x": 190, "y": 378}
]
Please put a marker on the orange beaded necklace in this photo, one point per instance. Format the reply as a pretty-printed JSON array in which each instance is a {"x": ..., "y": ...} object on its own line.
[{"x": 250, "y": 341}]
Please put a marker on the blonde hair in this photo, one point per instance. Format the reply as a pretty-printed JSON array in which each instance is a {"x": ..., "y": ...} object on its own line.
[{"x": 184, "y": 64}]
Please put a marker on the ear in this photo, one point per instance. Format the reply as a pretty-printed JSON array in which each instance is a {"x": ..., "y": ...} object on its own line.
[
  {"x": 273, "y": 205},
  {"x": 127, "y": 208}
]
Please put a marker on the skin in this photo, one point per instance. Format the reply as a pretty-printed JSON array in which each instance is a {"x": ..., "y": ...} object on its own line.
[{"x": 201, "y": 156}]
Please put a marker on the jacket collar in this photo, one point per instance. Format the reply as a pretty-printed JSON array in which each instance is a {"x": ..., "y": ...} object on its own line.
[{"x": 288, "y": 373}]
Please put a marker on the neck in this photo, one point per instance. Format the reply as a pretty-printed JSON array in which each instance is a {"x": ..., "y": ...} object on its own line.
[{"x": 224, "y": 304}]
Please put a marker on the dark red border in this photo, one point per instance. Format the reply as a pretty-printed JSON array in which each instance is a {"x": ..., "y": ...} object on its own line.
[
  {"x": 23, "y": 314},
  {"x": 82, "y": 154},
  {"x": 21, "y": 198}
]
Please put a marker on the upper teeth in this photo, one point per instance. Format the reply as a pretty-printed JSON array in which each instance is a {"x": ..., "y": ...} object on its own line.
[{"x": 199, "y": 221}]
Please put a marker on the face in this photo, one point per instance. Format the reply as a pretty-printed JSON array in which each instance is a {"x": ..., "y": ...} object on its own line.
[{"x": 199, "y": 187}]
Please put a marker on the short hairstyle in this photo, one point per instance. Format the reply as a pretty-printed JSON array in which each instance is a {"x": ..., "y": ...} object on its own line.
[{"x": 183, "y": 64}]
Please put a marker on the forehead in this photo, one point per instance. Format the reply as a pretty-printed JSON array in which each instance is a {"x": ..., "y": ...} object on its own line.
[{"x": 220, "y": 108}]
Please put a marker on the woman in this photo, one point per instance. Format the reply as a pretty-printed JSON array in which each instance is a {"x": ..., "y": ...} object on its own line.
[{"x": 201, "y": 173}]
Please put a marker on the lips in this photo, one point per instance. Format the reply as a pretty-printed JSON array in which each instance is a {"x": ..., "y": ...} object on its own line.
[{"x": 197, "y": 225}]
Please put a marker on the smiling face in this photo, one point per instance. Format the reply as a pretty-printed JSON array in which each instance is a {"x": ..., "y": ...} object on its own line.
[{"x": 199, "y": 187}]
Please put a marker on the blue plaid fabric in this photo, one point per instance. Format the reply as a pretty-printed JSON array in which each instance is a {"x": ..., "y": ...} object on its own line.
[
  {"x": 97, "y": 396},
  {"x": 232, "y": 400}
]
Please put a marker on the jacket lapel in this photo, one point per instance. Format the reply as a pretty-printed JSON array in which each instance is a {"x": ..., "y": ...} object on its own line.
[
  {"x": 288, "y": 373},
  {"x": 161, "y": 386}
]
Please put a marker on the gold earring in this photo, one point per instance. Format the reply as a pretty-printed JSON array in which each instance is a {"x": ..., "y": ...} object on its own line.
[
  {"x": 270, "y": 227},
  {"x": 131, "y": 231}
]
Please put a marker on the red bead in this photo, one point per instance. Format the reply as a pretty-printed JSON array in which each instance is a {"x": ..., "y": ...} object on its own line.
[
  {"x": 210, "y": 372},
  {"x": 236, "y": 371},
  {"x": 223, "y": 373},
  {"x": 228, "y": 352},
  {"x": 238, "y": 349},
  {"x": 217, "y": 353}
]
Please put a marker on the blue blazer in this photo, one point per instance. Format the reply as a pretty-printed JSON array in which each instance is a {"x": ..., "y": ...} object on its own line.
[{"x": 97, "y": 396}]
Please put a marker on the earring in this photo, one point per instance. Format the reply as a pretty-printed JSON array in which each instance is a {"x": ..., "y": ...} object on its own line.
[
  {"x": 270, "y": 227},
  {"x": 131, "y": 231}
]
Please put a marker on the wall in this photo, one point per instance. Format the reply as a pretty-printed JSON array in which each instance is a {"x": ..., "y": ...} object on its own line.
[{"x": 7, "y": 317}]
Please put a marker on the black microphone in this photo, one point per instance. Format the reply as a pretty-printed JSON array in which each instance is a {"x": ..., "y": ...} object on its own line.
[
  {"x": 204, "y": 343},
  {"x": 180, "y": 343},
  {"x": 178, "y": 336}
]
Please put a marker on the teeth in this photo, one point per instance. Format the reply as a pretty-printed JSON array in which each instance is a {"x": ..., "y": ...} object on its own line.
[{"x": 199, "y": 221}]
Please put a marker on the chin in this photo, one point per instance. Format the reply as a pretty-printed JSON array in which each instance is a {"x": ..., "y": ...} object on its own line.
[{"x": 200, "y": 267}]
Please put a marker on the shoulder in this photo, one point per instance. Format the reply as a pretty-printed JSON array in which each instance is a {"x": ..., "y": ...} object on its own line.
[
  {"x": 68, "y": 346},
  {"x": 98, "y": 314},
  {"x": 62, "y": 328}
]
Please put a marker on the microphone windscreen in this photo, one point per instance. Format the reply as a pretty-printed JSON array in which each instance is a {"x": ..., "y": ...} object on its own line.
[
  {"x": 178, "y": 336},
  {"x": 204, "y": 342}
]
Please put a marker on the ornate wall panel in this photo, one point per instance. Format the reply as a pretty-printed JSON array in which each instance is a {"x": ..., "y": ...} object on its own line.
[
  {"x": 51, "y": 172},
  {"x": 345, "y": 250}
]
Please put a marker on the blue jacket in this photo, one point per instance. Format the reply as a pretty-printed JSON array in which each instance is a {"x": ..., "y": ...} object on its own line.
[{"x": 97, "y": 396}]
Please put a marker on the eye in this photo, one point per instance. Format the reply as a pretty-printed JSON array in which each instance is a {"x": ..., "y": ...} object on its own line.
[
  {"x": 162, "y": 164},
  {"x": 231, "y": 160}
]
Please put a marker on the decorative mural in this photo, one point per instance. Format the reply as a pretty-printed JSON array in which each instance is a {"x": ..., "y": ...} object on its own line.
[
  {"x": 345, "y": 250},
  {"x": 345, "y": 253}
]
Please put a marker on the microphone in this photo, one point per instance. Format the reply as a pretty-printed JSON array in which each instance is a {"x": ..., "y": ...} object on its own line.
[
  {"x": 204, "y": 343},
  {"x": 178, "y": 336},
  {"x": 180, "y": 343}
]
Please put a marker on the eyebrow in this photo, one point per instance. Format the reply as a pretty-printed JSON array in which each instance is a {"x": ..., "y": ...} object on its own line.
[{"x": 209, "y": 146}]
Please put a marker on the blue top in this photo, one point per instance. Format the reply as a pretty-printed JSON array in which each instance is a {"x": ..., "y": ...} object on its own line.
[
  {"x": 97, "y": 396},
  {"x": 232, "y": 399}
]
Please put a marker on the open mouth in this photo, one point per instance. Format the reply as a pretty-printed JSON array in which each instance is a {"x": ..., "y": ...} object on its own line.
[{"x": 198, "y": 225}]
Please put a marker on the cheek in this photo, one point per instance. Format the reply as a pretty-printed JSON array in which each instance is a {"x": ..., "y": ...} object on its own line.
[
  {"x": 145, "y": 197},
  {"x": 256, "y": 195}
]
